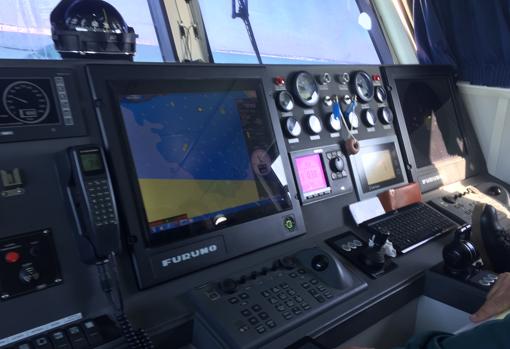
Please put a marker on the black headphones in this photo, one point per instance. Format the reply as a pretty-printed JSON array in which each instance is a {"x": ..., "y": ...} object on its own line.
[{"x": 460, "y": 255}]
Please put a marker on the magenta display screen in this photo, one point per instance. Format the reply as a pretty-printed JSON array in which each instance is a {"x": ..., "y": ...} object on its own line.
[{"x": 311, "y": 173}]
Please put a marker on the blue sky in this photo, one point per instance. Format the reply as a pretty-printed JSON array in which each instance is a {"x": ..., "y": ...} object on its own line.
[{"x": 323, "y": 29}]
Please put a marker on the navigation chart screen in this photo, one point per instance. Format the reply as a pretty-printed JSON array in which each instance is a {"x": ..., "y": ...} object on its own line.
[{"x": 204, "y": 159}]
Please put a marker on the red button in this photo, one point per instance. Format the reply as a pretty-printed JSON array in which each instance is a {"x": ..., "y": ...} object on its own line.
[
  {"x": 279, "y": 81},
  {"x": 12, "y": 257},
  {"x": 376, "y": 77}
]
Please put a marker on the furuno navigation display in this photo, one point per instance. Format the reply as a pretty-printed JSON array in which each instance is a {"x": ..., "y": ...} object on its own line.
[
  {"x": 430, "y": 119},
  {"x": 196, "y": 161},
  {"x": 204, "y": 159},
  {"x": 433, "y": 127}
]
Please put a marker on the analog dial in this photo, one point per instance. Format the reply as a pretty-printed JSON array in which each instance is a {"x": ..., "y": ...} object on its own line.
[
  {"x": 380, "y": 94},
  {"x": 363, "y": 86},
  {"x": 369, "y": 118},
  {"x": 285, "y": 101},
  {"x": 334, "y": 123},
  {"x": 292, "y": 127},
  {"x": 26, "y": 102},
  {"x": 386, "y": 115},
  {"x": 306, "y": 89},
  {"x": 353, "y": 120},
  {"x": 314, "y": 124}
]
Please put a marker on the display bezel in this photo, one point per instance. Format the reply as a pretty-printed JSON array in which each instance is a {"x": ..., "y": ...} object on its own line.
[
  {"x": 324, "y": 173},
  {"x": 374, "y": 145},
  {"x": 449, "y": 170},
  {"x": 148, "y": 87}
]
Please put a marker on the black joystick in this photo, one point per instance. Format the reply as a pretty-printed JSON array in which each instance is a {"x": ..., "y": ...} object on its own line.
[
  {"x": 288, "y": 262},
  {"x": 320, "y": 262},
  {"x": 228, "y": 286},
  {"x": 495, "y": 190},
  {"x": 374, "y": 257},
  {"x": 491, "y": 239}
]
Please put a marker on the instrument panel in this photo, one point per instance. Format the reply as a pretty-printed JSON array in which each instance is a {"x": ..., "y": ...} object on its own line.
[
  {"x": 38, "y": 106},
  {"x": 325, "y": 111}
]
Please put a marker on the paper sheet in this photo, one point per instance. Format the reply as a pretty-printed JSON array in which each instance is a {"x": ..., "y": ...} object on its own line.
[{"x": 367, "y": 209}]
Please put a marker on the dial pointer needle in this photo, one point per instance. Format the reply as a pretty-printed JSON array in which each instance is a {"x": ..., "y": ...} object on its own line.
[{"x": 19, "y": 99}]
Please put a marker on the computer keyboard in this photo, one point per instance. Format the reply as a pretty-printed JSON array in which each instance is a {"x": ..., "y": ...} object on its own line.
[{"x": 412, "y": 226}]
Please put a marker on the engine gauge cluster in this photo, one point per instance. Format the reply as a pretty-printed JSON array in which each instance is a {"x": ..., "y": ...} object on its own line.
[
  {"x": 27, "y": 102},
  {"x": 309, "y": 100}
]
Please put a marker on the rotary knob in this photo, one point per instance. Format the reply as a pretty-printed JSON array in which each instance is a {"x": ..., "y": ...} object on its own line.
[
  {"x": 335, "y": 124},
  {"x": 353, "y": 120},
  {"x": 324, "y": 78},
  {"x": 369, "y": 118},
  {"x": 288, "y": 262},
  {"x": 228, "y": 286},
  {"x": 328, "y": 102},
  {"x": 337, "y": 164},
  {"x": 28, "y": 274},
  {"x": 292, "y": 127},
  {"x": 386, "y": 115},
  {"x": 344, "y": 78},
  {"x": 314, "y": 124}
]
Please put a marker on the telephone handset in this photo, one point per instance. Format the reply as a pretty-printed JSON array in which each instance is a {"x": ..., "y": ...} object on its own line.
[{"x": 94, "y": 206}]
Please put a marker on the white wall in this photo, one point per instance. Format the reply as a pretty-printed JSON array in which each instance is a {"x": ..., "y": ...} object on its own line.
[{"x": 489, "y": 110}]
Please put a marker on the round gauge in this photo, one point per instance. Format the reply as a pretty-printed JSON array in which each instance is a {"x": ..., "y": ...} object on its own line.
[
  {"x": 369, "y": 118},
  {"x": 334, "y": 123},
  {"x": 306, "y": 89},
  {"x": 386, "y": 115},
  {"x": 363, "y": 86},
  {"x": 26, "y": 102},
  {"x": 261, "y": 162},
  {"x": 314, "y": 124},
  {"x": 292, "y": 127},
  {"x": 353, "y": 120},
  {"x": 285, "y": 101},
  {"x": 380, "y": 94}
]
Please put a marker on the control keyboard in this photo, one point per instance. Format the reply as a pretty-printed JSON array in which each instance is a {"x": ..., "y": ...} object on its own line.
[
  {"x": 458, "y": 202},
  {"x": 412, "y": 226},
  {"x": 249, "y": 309}
]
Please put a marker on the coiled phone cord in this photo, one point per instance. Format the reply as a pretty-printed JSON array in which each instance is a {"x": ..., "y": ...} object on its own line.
[{"x": 136, "y": 339}]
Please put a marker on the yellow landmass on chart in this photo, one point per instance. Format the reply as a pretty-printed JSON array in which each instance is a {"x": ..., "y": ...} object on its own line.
[{"x": 164, "y": 198}]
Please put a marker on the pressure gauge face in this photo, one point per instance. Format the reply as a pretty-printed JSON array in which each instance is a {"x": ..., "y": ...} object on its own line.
[
  {"x": 285, "y": 101},
  {"x": 363, "y": 86},
  {"x": 26, "y": 102},
  {"x": 353, "y": 120},
  {"x": 369, "y": 118},
  {"x": 380, "y": 94},
  {"x": 306, "y": 89}
]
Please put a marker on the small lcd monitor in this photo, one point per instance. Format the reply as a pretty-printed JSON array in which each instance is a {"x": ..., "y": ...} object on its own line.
[
  {"x": 310, "y": 173},
  {"x": 378, "y": 165},
  {"x": 430, "y": 117},
  {"x": 205, "y": 156}
]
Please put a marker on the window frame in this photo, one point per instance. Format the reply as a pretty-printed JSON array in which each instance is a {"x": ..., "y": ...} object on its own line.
[
  {"x": 376, "y": 34},
  {"x": 164, "y": 34}
]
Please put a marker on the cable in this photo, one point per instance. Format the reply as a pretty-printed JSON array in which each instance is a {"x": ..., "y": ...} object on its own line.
[
  {"x": 136, "y": 339},
  {"x": 337, "y": 111}
]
